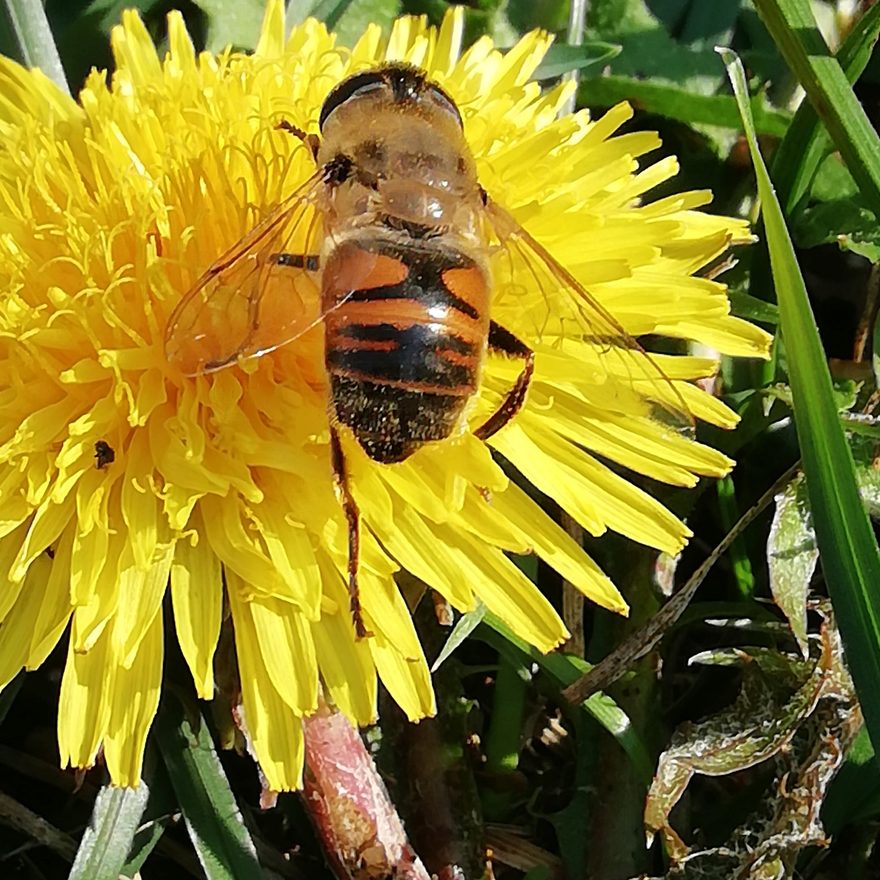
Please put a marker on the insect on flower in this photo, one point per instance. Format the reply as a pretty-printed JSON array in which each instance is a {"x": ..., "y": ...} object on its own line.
[
  {"x": 393, "y": 245},
  {"x": 105, "y": 454}
]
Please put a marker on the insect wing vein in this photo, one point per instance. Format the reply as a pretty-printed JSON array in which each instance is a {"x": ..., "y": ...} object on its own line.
[
  {"x": 551, "y": 298},
  {"x": 248, "y": 302}
]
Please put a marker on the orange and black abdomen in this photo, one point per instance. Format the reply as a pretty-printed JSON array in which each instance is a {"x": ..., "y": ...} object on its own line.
[{"x": 404, "y": 349}]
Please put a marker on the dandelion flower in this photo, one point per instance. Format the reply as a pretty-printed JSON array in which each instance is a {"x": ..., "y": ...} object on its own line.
[{"x": 217, "y": 489}]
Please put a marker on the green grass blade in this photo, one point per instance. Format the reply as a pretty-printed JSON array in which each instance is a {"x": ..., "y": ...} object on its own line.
[
  {"x": 797, "y": 158},
  {"x": 796, "y": 161},
  {"x": 106, "y": 842},
  {"x": 213, "y": 820},
  {"x": 8, "y": 695},
  {"x": 793, "y": 28},
  {"x": 848, "y": 551},
  {"x": 29, "y": 37},
  {"x": 744, "y": 305},
  {"x": 564, "y": 670},
  {"x": 503, "y": 737}
]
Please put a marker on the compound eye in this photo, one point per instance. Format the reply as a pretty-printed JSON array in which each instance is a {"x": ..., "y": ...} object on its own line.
[
  {"x": 354, "y": 87},
  {"x": 445, "y": 102}
]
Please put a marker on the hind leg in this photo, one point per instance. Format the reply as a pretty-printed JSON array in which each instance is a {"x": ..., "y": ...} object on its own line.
[
  {"x": 504, "y": 342},
  {"x": 353, "y": 519}
]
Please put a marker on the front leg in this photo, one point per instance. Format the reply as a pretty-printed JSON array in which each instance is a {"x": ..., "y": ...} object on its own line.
[{"x": 310, "y": 141}]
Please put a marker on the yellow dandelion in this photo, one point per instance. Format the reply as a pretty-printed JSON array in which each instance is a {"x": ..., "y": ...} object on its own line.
[{"x": 122, "y": 478}]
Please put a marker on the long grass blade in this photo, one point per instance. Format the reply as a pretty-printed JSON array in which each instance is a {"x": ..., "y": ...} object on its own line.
[
  {"x": 848, "y": 551},
  {"x": 793, "y": 28},
  {"x": 213, "y": 819},
  {"x": 27, "y": 33},
  {"x": 563, "y": 670},
  {"x": 797, "y": 158},
  {"x": 106, "y": 842}
]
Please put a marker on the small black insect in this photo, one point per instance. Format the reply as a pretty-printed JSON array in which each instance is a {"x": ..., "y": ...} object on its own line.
[{"x": 104, "y": 454}]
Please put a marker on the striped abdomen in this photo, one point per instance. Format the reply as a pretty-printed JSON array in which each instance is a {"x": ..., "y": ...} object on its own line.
[{"x": 404, "y": 350}]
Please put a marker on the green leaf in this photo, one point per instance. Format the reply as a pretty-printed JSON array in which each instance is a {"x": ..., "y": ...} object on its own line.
[
  {"x": 677, "y": 102},
  {"x": 349, "y": 18},
  {"x": 213, "y": 820},
  {"x": 464, "y": 626},
  {"x": 143, "y": 844},
  {"x": 848, "y": 550},
  {"x": 232, "y": 23},
  {"x": 563, "y": 59},
  {"x": 502, "y": 739},
  {"x": 299, "y": 10},
  {"x": 791, "y": 556},
  {"x": 707, "y": 25},
  {"x": 845, "y": 392},
  {"x": 26, "y": 35},
  {"x": 845, "y": 222},
  {"x": 859, "y": 425},
  {"x": 740, "y": 561},
  {"x": 756, "y": 727},
  {"x": 330, "y": 11},
  {"x": 778, "y": 695},
  {"x": 649, "y": 52},
  {"x": 875, "y": 347},
  {"x": 552, "y": 15},
  {"x": 793, "y": 28},
  {"x": 832, "y": 180},
  {"x": 870, "y": 250},
  {"x": 864, "y": 449},
  {"x": 854, "y": 795},
  {"x": 158, "y": 816},
  {"x": 106, "y": 842}
]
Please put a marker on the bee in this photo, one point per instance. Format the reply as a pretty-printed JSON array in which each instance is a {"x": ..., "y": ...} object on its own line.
[{"x": 388, "y": 246}]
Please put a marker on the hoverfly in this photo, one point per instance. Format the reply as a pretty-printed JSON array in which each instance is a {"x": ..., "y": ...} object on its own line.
[{"x": 388, "y": 245}]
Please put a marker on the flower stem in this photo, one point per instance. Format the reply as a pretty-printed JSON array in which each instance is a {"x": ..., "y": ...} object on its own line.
[
  {"x": 431, "y": 766},
  {"x": 29, "y": 37},
  {"x": 742, "y": 565},
  {"x": 577, "y": 18},
  {"x": 504, "y": 735},
  {"x": 614, "y": 832}
]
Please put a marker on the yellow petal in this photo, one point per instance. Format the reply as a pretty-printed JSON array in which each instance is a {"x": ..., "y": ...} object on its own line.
[
  {"x": 406, "y": 678},
  {"x": 274, "y": 729},
  {"x": 133, "y": 703},
  {"x": 288, "y": 651},
  {"x": 347, "y": 669},
  {"x": 556, "y": 547},
  {"x": 85, "y": 701},
  {"x": 17, "y": 628},
  {"x": 197, "y": 597},
  {"x": 54, "y": 607}
]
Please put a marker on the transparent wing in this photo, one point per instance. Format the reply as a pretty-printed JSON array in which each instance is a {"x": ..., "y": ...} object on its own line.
[
  {"x": 545, "y": 295},
  {"x": 261, "y": 294}
]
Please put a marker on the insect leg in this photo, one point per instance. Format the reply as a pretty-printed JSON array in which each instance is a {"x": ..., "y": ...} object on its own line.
[
  {"x": 309, "y": 262},
  {"x": 353, "y": 518},
  {"x": 504, "y": 342},
  {"x": 310, "y": 141}
]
